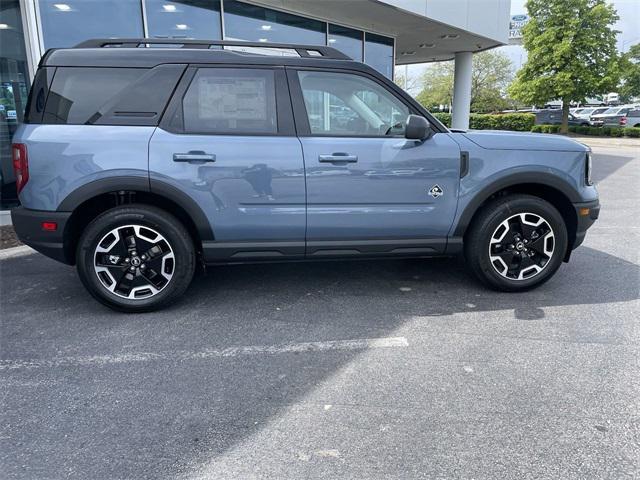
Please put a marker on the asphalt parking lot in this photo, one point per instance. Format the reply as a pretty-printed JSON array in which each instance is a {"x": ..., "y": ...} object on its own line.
[{"x": 364, "y": 370}]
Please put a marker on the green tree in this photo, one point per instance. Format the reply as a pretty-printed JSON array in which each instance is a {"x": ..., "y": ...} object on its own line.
[
  {"x": 572, "y": 54},
  {"x": 492, "y": 71},
  {"x": 630, "y": 70}
]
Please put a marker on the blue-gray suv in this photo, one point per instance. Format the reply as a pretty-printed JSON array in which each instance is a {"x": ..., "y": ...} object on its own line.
[{"x": 140, "y": 164}]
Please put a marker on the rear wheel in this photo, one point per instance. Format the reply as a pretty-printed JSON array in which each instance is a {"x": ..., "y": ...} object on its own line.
[
  {"x": 136, "y": 258},
  {"x": 516, "y": 243}
]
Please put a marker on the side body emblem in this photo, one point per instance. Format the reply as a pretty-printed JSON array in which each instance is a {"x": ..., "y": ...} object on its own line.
[{"x": 436, "y": 191}]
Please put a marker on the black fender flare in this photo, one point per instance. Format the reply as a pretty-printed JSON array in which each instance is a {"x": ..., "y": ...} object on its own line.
[
  {"x": 141, "y": 184},
  {"x": 519, "y": 178}
]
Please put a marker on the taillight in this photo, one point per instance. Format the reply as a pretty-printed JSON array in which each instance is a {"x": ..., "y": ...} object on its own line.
[
  {"x": 623, "y": 120},
  {"x": 20, "y": 165}
]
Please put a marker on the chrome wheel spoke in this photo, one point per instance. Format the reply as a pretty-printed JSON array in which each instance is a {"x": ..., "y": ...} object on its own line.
[{"x": 125, "y": 284}]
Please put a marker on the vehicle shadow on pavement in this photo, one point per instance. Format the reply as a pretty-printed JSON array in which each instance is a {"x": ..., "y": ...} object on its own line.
[
  {"x": 158, "y": 418},
  {"x": 606, "y": 165},
  {"x": 429, "y": 287}
]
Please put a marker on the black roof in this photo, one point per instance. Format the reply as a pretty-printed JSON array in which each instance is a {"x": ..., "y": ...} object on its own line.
[{"x": 127, "y": 52}]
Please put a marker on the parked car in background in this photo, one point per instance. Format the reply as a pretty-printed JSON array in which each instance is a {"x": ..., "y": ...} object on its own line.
[
  {"x": 554, "y": 117},
  {"x": 586, "y": 113},
  {"x": 612, "y": 98},
  {"x": 612, "y": 114},
  {"x": 631, "y": 119}
]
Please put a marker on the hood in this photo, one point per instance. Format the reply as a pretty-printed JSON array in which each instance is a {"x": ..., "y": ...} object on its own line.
[{"x": 505, "y": 140}]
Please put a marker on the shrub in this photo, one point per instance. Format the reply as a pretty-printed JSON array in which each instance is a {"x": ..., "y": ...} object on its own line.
[
  {"x": 444, "y": 117},
  {"x": 573, "y": 128},
  {"x": 478, "y": 121},
  {"x": 631, "y": 132},
  {"x": 615, "y": 132},
  {"x": 583, "y": 129},
  {"x": 521, "y": 122},
  {"x": 596, "y": 131},
  {"x": 536, "y": 129}
]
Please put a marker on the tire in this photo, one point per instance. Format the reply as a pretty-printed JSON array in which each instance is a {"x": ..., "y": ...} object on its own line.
[
  {"x": 502, "y": 244},
  {"x": 147, "y": 280}
]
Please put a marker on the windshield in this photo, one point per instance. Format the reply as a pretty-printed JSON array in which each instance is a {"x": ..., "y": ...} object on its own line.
[
  {"x": 611, "y": 110},
  {"x": 587, "y": 110}
]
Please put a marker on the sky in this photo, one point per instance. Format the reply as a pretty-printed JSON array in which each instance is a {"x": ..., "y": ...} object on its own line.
[{"x": 628, "y": 25}]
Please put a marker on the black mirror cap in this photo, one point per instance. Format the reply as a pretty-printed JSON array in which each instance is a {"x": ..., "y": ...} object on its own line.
[{"x": 418, "y": 128}]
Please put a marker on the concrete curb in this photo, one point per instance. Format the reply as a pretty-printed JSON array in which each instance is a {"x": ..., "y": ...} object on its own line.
[
  {"x": 16, "y": 252},
  {"x": 5, "y": 218}
]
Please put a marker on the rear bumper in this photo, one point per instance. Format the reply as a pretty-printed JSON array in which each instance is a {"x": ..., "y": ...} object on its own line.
[
  {"x": 28, "y": 226},
  {"x": 585, "y": 219}
]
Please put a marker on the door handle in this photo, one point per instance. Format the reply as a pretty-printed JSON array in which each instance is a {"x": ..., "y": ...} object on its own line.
[
  {"x": 194, "y": 156},
  {"x": 338, "y": 157}
]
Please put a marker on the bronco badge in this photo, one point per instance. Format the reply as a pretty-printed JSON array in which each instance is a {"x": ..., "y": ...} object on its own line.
[{"x": 436, "y": 191}]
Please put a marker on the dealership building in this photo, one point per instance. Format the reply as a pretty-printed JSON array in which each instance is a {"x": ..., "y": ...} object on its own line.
[{"x": 382, "y": 33}]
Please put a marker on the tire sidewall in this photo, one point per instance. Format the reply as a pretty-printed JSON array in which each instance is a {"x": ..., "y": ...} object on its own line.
[
  {"x": 500, "y": 214},
  {"x": 151, "y": 217}
]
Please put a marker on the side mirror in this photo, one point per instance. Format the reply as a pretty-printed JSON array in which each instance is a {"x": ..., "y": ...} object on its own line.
[{"x": 418, "y": 128}]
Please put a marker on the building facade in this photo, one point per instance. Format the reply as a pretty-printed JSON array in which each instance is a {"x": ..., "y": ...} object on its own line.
[{"x": 382, "y": 33}]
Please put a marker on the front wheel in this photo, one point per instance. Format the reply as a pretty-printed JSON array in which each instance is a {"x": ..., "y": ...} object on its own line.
[
  {"x": 516, "y": 243},
  {"x": 136, "y": 258}
]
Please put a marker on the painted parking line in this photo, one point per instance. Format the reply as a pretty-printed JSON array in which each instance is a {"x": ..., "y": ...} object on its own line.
[{"x": 304, "y": 347}]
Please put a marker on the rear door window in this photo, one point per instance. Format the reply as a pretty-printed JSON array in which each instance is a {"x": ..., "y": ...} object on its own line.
[{"x": 238, "y": 101}]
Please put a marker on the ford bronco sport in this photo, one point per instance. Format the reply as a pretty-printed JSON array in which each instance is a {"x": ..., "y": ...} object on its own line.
[{"x": 137, "y": 164}]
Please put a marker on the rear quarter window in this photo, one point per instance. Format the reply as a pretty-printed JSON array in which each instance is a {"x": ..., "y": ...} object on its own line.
[{"x": 110, "y": 96}]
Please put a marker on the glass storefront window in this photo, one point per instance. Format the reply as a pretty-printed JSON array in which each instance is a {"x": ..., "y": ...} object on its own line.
[
  {"x": 378, "y": 53},
  {"x": 66, "y": 23},
  {"x": 347, "y": 40},
  {"x": 243, "y": 21},
  {"x": 199, "y": 19},
  {"x": 14, "y": 85}
]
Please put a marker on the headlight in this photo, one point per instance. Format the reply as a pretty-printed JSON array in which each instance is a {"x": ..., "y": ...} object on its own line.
[{"x": 587, "y": 169}]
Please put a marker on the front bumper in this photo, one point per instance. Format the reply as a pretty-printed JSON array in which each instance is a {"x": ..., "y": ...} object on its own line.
[
  {"x": 28, "y": 226},
  {"x": 587, "y": 213}
]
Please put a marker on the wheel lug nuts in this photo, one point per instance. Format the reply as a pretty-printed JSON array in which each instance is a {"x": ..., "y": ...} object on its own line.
[
  {"x": 143, "y": 266},
  {"x": 126, "y": 260},
  {"x": 132, "y": 269},
  {"x": 143, "y": 257}
]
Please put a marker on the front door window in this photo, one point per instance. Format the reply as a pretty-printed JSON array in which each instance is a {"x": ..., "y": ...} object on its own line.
[{"x": 344, "y": 104}]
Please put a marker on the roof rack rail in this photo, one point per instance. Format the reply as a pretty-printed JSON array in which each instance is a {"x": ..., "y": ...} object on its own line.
[{"x": 313, "y": 51}]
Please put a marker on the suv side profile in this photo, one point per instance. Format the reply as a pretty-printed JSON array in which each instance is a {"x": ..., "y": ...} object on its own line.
[{"x": 137, "y": 164}]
